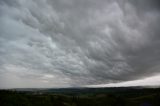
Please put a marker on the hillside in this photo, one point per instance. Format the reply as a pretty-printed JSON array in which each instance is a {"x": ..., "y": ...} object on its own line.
[{"x": 124, "y": 96}]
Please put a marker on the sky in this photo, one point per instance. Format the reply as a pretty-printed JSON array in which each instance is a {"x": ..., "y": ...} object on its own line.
[{"x": 78, "y": 43}]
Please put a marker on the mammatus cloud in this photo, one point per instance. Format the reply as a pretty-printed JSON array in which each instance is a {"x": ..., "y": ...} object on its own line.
[{"x": 68, "y": 43}]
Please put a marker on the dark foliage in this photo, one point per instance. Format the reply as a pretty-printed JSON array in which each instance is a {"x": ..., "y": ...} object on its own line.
[{"x": 82, "y": 97}]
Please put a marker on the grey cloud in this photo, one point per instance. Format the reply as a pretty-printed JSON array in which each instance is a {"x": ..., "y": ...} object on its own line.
[
  {"x": 147, "y": 5},
  {"x": 77, "y": 43}
]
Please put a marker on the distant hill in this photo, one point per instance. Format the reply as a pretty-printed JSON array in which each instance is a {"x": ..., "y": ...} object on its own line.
[
  {"x": 116, "y": 96},
  {"x": 80, "y": 91}
]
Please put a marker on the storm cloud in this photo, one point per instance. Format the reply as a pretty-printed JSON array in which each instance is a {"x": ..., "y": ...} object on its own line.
[{"x": 74, "y": 43}]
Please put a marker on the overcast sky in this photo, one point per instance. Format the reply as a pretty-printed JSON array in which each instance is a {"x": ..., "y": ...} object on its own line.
[{"x": 76, "y": 43}]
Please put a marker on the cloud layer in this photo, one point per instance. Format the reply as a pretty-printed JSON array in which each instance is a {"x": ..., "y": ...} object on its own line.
[{"x": 69, "y": 43}]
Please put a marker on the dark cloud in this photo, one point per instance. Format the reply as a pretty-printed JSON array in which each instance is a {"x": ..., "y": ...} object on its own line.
[
  {"x": 61, "y": 43},
  {"x": 146, "y": 5}
]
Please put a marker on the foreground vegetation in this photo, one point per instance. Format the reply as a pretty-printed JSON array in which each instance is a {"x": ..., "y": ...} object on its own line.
[{"x": 82, "y": 97}]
